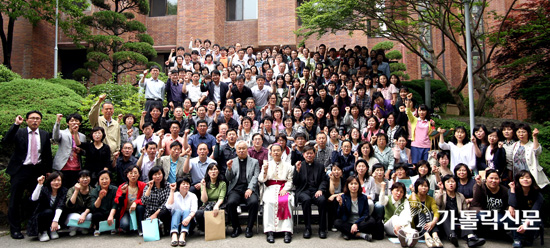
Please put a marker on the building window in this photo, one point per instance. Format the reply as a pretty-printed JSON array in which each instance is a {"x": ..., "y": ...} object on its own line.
[
  {"x": 426, "y": 36},
  {"x": 238, "y": 10},
  {"x": 163, "y": 7}
]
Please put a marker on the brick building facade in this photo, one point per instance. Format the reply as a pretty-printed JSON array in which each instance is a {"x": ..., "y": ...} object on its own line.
[{"x": 274, "y": 23}]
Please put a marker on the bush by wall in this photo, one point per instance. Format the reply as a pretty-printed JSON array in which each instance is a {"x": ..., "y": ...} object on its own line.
[
  {"x": 7, "y": 75},
  {"x": 77, "y": 87},
  {"x": 22, "y": 95}
]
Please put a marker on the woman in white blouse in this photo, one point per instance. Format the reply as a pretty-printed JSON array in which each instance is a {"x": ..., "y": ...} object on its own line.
[{"x": 183, "y": 205}]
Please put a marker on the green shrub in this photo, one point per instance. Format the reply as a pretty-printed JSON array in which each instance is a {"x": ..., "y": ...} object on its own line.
[
  {"x": 440, "y": 94},
  {"x": 115, "y": 92},
  {"x": 23, "y": 95},
  {"x": 77, "y": 87},
  {"x": 450, "y": 123},
  {"x": 82, "y": 74},
  {"x": 4, "y": 191},
  {"x": 7, "y": 75}
]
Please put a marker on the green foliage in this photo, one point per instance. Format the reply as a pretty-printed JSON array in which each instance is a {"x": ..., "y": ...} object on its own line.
[
  {"x": 77, "y": 87},
  {"x": 116, "y": 93},
  {"x": 398, "y": 67},
  {"x": 5, "y": 186},
  {"x": 440, "y": 94},
  {"x": 23, "y": 95},
  {"x": 524, "y": 57},
  {"x": 108, "y": 50},
  {"x": 450, "y": 123},
  {"x": 394, "y": 55},
  {"x": 82, "y": 74},
  {"x": 384, "y": 45},
  {"x": 7, "y": 75}
]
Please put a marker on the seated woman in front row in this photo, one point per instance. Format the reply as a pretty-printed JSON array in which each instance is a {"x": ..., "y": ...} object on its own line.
[
  {"x": 449, "y": 199},
  {"x": 353, "y": 214},
  {"x": 213, "y": 190},
  {"x": 397, "y": 211},
  {"x": 183, "y": 205},
  {"x": 50, "y": 206},
  {"x": 103, "y": 202},
  {"x": 78, "y": 202},
  {"x": 524, "y": 195}
]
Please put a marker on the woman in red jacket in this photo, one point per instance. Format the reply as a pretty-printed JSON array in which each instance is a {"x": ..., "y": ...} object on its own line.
[{"x": 128, "y": 198}]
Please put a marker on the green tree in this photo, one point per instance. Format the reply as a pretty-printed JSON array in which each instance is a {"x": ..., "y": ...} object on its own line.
[
  {"x": 396, "y": 68},
  {"x": 409, "y": 23},
  {"x": 34, "y": 11},
  {"x": 525, "y": 56},
  {"x": 120, "y": 44}
]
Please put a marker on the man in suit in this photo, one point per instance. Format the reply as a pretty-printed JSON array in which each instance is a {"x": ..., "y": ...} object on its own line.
[
  {"x": 217, "y": 91},
  {"x": 32, "y": 158},
  {"x": 173, "y": 163},
  {"x": 311, "y": 185},
  {"x": 242, "y": 175}
]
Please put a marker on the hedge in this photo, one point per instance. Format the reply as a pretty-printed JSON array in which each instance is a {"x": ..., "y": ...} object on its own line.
[
  {"x": 23, "y": 95},
  {"x": 7, "y": 75}
]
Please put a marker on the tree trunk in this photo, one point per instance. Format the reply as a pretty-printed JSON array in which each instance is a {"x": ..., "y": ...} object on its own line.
[{"x": 7, "y": 41}]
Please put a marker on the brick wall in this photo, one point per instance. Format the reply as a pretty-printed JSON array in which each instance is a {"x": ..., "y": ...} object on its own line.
[
  {"x": 276, "y": 22},
  {"x": 167, "y": 35},
  {"x": 244, "y": 32}
]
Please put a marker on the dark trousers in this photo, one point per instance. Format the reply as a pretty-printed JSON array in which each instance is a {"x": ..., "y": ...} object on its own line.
[
  {"x": 447, "y": 227},
  {"x": 234, "y": 199},
  {"x": 332, "y": 211},
  {"x": 125, "y": 220},
  {"x": 369, "y": 225},
  {"x": 70, "y": 178},
  {"x": 306, "y": 198},
  {"x": 98, "y": 216},
  {"x": 45, "y": 219},
  {"x": 19, "y": 205},
  {"x": 345, "y": 227}
]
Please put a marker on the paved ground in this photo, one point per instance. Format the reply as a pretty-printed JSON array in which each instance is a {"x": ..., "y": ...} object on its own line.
[{"x": 334, "y": 240}]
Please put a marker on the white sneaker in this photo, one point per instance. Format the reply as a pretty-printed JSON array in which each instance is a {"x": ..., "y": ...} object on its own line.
[
  {"x": 54, "y": 235},
  {"x": 44, "y": 237},
  {"x": 84, "y": 231},
  {"x": 72, "y": 232}
]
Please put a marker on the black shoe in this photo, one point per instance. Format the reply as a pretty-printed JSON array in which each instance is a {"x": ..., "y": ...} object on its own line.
[
  {"x": 248, "y": 233},
  {"x": 236, "y": 232},
  {"x": 453, "y": 239},
  {"x": 270, "y": 239},
  {"x": 17, "y": 235},
  {"x": 368, "y": 237},
  {"x": 322, "y": 234},
  {"x": 307, "y": 233},
  {"x": 475, "y": 241},
  {"x": 288, "y": 237}
]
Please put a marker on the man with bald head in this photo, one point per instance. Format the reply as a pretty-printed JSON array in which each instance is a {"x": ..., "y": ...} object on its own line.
[{"x": 242, "y": 176}]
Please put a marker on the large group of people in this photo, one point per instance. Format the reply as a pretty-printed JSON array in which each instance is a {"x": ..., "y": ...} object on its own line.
[{"x": 274, "y": 131}]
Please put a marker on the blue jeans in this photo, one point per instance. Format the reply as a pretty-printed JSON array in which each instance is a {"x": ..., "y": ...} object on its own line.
[
  {"x": 125, "y": 220},
  {"x": 418, "y": 154},
  {"x": 177, "y": 217},
  {"x": 378, "y": 212}
]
